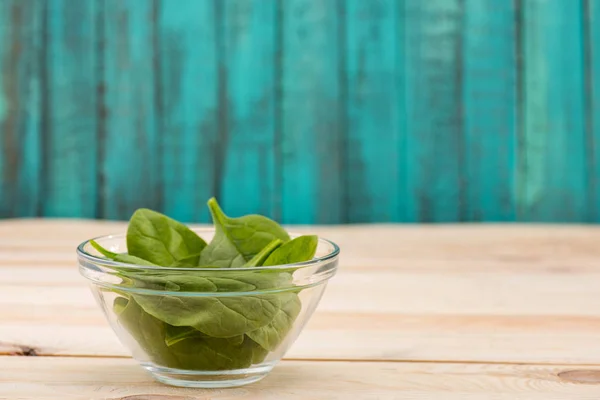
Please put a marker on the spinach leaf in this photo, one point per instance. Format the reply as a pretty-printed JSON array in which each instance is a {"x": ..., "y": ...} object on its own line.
[
  {"x": 181, "y": 348},
  {"x": 238, "y": 240},
  {"x": 206, "y": 353},
  {"x": 162, "y": 280},
  {"x": 106, "y": 253},
  {"x": 120, "y": 304},
  {"x": 260, "y": 258},
  {"x": 271, "y": 335},
  {"x": 189, "y": 261},
  {"x": 175, "y": 334},
  {"x": 161, "y": 240},
  {"x": 300, "y": 249},
  {"x": 124, "y": 258},
  {"x": 225, "y": 316},
  {"x": 208, "y": 281},
  {"x": 148, "y": 331},
  {"x": 216, "y": 316}
]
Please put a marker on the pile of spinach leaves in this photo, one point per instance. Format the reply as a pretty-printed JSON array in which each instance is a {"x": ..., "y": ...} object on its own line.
[{"x": 208, "y": 332}]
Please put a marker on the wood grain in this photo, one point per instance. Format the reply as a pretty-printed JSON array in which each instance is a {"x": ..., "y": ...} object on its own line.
[
  {"x": 553, "y": 110},
  {"x": 483, "y": 317},
  {"x": 591, "y": 26},
  {"x": 373, "y": 69},
  {"x": 247, "y": 145},
  {"x": 311, "y": 107},
  {"x": 434, "y": 127},
  {"x": 498, "y": 248},
  {"x": 443, "y": 312},
  {"x": 21, "y": 106},
  {"x": 70, "y": 175},
  {"x": 117, "y": 379},
  {"x": 495, "y": 293},
  {"x": 489, "y": 109},
  {"x": 129, "y": 165},
  {"x": 309, "y": 111},
  {"x": 188, "y": 120}
]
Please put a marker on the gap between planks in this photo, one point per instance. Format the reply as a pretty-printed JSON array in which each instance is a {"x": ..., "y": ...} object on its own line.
[{"x": 331, "y": 360}]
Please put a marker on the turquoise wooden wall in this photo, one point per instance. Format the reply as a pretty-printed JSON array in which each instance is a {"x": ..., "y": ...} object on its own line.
[{"x": 311, "y": 111}]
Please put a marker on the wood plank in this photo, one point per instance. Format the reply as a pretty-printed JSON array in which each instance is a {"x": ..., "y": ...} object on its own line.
[
  {"x": 373, "y": 67},
  {"x": 373, "y": 62},
  {"x": 489, "y": 111},
  {"x": 311, "y": 107},
  {"x": 455, "y": 248},
  {"x": 436, "y": 292},
  {"x": 425, "y": 315},
  {"x": 129, "y": 137},
  {"x": 448, "y": 292},
  {"x": 591, "y": 25},
  {"x": 435, "y": 190},
  {"x": 70, "y": 175},
  {"x": 391, "y": 337},
  {"x": 246, "y": 153},
  {"x": 551, "y": 177},
  {"x": 187, "y": 32},
  {"x": 21, "y": 106},
  {"x": 100, "y": 378}
]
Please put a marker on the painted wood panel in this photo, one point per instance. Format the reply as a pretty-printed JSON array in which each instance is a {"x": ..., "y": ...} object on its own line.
[
  {"x": 311, "y": 107},
  {"x": 188, "y": 106},
  {"x": 70, "y": 187},
  {"x": 592, "y": 90},
  {"x": 247, "y": 142},
  {"x": 374, "y": 68},
  {"x": 489, "y": 109},
  {"x": 552, "y": 141},
  {"x": 21, "y": 89},
  {"x": 434, "y": 161},
  {"x": 309, "y": 111},
  {"x": 130, "y": 157}
]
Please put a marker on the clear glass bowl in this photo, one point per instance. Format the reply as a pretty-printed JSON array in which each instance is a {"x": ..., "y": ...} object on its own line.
[{"x": 206, "y": 327}]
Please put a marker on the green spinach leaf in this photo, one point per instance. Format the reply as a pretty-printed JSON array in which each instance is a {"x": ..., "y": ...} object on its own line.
[
  {"x": 206, "y": 353},
  {"x": 238, "y": 240},
  {"x": 271, "y": 335},
  {"x": 182, "y": 348},
  {"x": 161, "y": 240},
  {"x": 209, "y": 281},
  {"x": 260, "y": 258},
  {"x": 148, "y": 331},
  {"x": 300, "y": 249},
  {"x": 175, "y": 334},
  {"x": 216, "y": 316},
  {"x": 119, "y": 257}
]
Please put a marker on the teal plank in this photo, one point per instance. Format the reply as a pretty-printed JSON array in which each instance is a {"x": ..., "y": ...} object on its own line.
[
  {"x": 130, "y": 161},
  {"x": 434, "y": 159},
  {"x": 373, "y": 98},
  {"x": 489, "y": 111},
  {"x": 189, "y": 79},
  {"x": 70, "y": 187},
  {"x": 552, "y": 144},
  {"x": 592, "y": 86},
  {"x": 21, "y": 81},
  {"x": 248, "y": 138},
  {"x": 311, "y": 142}
]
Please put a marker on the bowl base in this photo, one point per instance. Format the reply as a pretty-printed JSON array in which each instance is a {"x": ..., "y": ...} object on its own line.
[{"x": 208, "y": 379}]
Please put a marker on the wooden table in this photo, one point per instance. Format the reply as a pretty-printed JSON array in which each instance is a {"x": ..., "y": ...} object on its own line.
[{"x": 415, "y": 312}]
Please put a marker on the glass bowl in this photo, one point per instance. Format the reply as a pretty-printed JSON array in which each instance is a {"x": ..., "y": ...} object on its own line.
[{"x": 206, "y": 327}]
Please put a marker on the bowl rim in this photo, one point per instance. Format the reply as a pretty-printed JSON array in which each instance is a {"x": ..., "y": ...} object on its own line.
[{"x": 82, "y": 254}]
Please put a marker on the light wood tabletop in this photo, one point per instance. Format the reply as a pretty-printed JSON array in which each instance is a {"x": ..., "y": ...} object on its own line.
[{"x": 415, "y": 312}]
